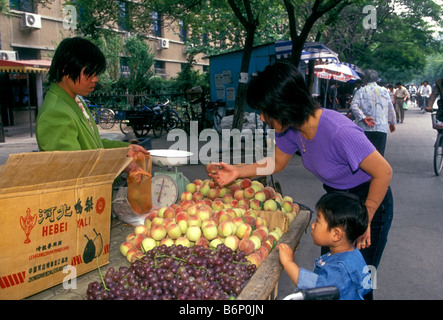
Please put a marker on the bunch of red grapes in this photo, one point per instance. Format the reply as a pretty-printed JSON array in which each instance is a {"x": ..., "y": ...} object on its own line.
[{"x": 177, "y": 273}]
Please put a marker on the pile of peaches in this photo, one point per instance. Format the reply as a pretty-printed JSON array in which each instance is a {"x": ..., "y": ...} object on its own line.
[{"x": 208, "y": 215}]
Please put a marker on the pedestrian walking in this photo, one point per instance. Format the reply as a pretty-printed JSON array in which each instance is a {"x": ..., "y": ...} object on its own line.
[
  {"x": 373, "y": 111},
  {"x": 437, "y": 91},
  {"x": 401, "y": 95}
]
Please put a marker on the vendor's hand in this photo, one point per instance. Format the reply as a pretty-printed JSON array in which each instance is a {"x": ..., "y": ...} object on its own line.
[
  {"x": 364, "y": 241},
  {"x": 369, "y": 121},
  {"x": 226, "y": 174},
  {"x": 286, "y": 253},
  {"x": 136, "y": 148}
]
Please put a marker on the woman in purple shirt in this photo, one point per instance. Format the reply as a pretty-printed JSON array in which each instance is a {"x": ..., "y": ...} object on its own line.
[{"x": 332, "y": 147}]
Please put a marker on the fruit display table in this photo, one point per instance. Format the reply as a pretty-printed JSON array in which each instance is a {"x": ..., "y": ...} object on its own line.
[{"x": 263, "y": 284}]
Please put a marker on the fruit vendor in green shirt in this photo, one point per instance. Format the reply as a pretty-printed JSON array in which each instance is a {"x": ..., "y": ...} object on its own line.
[{"x": 64, "y": 122}]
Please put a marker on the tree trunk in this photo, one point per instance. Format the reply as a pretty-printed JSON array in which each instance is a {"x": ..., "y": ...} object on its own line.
[{"x": 240, "y": 98}]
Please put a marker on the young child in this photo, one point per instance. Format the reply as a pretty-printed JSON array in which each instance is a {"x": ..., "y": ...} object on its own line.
[{"x": 341, "y": 219}]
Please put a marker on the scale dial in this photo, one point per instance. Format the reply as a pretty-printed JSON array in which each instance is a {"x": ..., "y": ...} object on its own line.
[{"x": 164, "y": 190}]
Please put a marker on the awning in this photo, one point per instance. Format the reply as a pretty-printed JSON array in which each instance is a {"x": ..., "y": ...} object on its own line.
[
  {"x": 25, "y": 66},
  {"x": 311, "y": 51}
]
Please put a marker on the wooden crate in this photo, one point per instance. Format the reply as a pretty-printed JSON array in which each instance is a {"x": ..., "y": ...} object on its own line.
[{"x": 263, "y": 285}]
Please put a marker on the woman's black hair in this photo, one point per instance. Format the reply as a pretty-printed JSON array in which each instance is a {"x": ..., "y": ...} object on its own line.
[
  {"x": 74, "y": 54},
  {"x": 344, "y": 210},
  {"x": 280, "y": 92}
]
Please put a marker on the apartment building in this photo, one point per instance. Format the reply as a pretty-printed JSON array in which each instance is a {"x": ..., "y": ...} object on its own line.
[{"x": 32, "y": 31}]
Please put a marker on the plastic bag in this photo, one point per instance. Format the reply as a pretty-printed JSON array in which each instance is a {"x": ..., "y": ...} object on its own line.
[{"x": 139, "y": 184}]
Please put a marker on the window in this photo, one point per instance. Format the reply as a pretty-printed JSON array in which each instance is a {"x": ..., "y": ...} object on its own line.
[
  {"x": 123, "y": 20},
  {"x": 22, "y": 5},
  {"x": 124, "y": 68},
  {"x": 183, "y": 33},
  {"x": 156, "y": 24},
  {"x": 159, "y": 67}
]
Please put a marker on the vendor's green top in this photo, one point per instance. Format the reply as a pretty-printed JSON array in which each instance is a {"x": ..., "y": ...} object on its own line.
[{"x": 62, "y": 126}]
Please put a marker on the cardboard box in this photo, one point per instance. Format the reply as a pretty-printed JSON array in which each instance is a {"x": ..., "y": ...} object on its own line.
[{"x": 55, "y": 217}]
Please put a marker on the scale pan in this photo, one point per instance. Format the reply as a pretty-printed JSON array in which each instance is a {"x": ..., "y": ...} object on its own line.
[{"x": 166, "y": 157}]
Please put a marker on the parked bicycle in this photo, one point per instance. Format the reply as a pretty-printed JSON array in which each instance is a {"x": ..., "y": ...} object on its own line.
[
  {"x": 104, "y": 117},
  {"x": 214, "y": 114},
  {"x": 438, "y": 147},
  {"x": 192, "y": 113},
  {"x": 141, "y": 121},
  {"x": 171, "y": 118},
  {"x": 208, "y": 116}
]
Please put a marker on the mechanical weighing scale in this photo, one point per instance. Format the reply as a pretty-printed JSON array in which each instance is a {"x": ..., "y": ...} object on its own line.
[{"x": 168, "y": 183}]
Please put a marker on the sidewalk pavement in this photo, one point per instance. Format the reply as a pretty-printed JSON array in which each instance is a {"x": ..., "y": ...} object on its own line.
[{"x": 412, "y": 261}]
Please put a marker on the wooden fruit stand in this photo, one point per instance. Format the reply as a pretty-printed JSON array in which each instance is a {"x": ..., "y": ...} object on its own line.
[{"x": 264, "y": 283}]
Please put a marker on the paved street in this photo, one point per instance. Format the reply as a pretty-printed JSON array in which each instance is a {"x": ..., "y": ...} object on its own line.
[{"x": 411, "y": 265}]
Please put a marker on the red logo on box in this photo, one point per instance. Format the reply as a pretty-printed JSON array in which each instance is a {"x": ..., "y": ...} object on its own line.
[
  {"x": 27, "y": 223},
  {"x": 100, "y": 205}
]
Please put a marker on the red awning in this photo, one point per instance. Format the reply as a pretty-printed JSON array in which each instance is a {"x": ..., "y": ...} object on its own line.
[{"x": 24, "y": 66}]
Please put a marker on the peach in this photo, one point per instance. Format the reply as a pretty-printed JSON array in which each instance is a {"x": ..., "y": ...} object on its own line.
[
  {"x": 260, "y": 196},
  {"x": 256, "y": 240},
  {"x": 248, "y": 193},
  {"x": 245, "y": 183},
  {"x": 238, "y": 195},
  {"x": 183, "y": 241},
  {"x": 255, "y": 258},
  {"x": 269, "y": 192},
  {"x": 181, "y": 216},
  {"x": 262, "y": 234},
  {"x": 212, "y": 168},
  {"x": 186, "y": 195},
  {"x": 191, "y": 187},
  {"x": 235, "y": 188},
  {"x": 217, "y": 205},
  {"x": 148, "y": 244},
  {"x": 137, "y": 241},
  {"x": 243, "y": 230},
  {"x": 197, "y": 196},
  {"x": 212, "y": 193},
  {"x": 232, "y": 242},
  {"x": 125, "y": 247},
  {"x": 194, "y": 221},
  {"x": 158, "y": 232},
  {"x": 202, "y": 241},
  {"x": 193, "y": 233},
  {"x": 226, "y": 228},
  {"x": 246, "y": 245},
  {"x": 174, "y": 231},
  {"x": 167, "y": 242},
  {"x": 227, "y": 198},
  {"x": 210, "y": 231}
]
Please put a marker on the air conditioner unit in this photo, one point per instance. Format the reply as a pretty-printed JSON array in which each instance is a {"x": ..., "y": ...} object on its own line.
[
  {"x": 163, "y": 44},
  {"x": 8, "y": 55},
  {"x": 30, "y": 21}
]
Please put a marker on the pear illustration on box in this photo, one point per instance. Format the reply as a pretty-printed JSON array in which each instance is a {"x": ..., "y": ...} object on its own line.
[{"x": 93, "y": 248}]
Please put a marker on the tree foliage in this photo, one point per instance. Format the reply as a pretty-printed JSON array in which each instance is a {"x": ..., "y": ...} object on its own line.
[{"x": 397, "y": 47}]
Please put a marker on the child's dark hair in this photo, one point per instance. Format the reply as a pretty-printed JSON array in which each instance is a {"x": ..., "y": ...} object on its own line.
[
  {"x": 74, "y": 54},
  {"x": 344, "y": 210}
]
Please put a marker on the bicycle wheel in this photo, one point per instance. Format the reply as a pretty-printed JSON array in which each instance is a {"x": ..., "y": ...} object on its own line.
[
  {"x": 106, "y": 118},
  {"x": 157, "y": 128},
  {"x": 438, "y": 154},
  {"x": 140, "y": 130},
  {"x": 217, "y": 122},
  {"x": 125, "y": 128},
  {"x": 187, "y": 123},
  {"x": 172, "y": 120}
]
